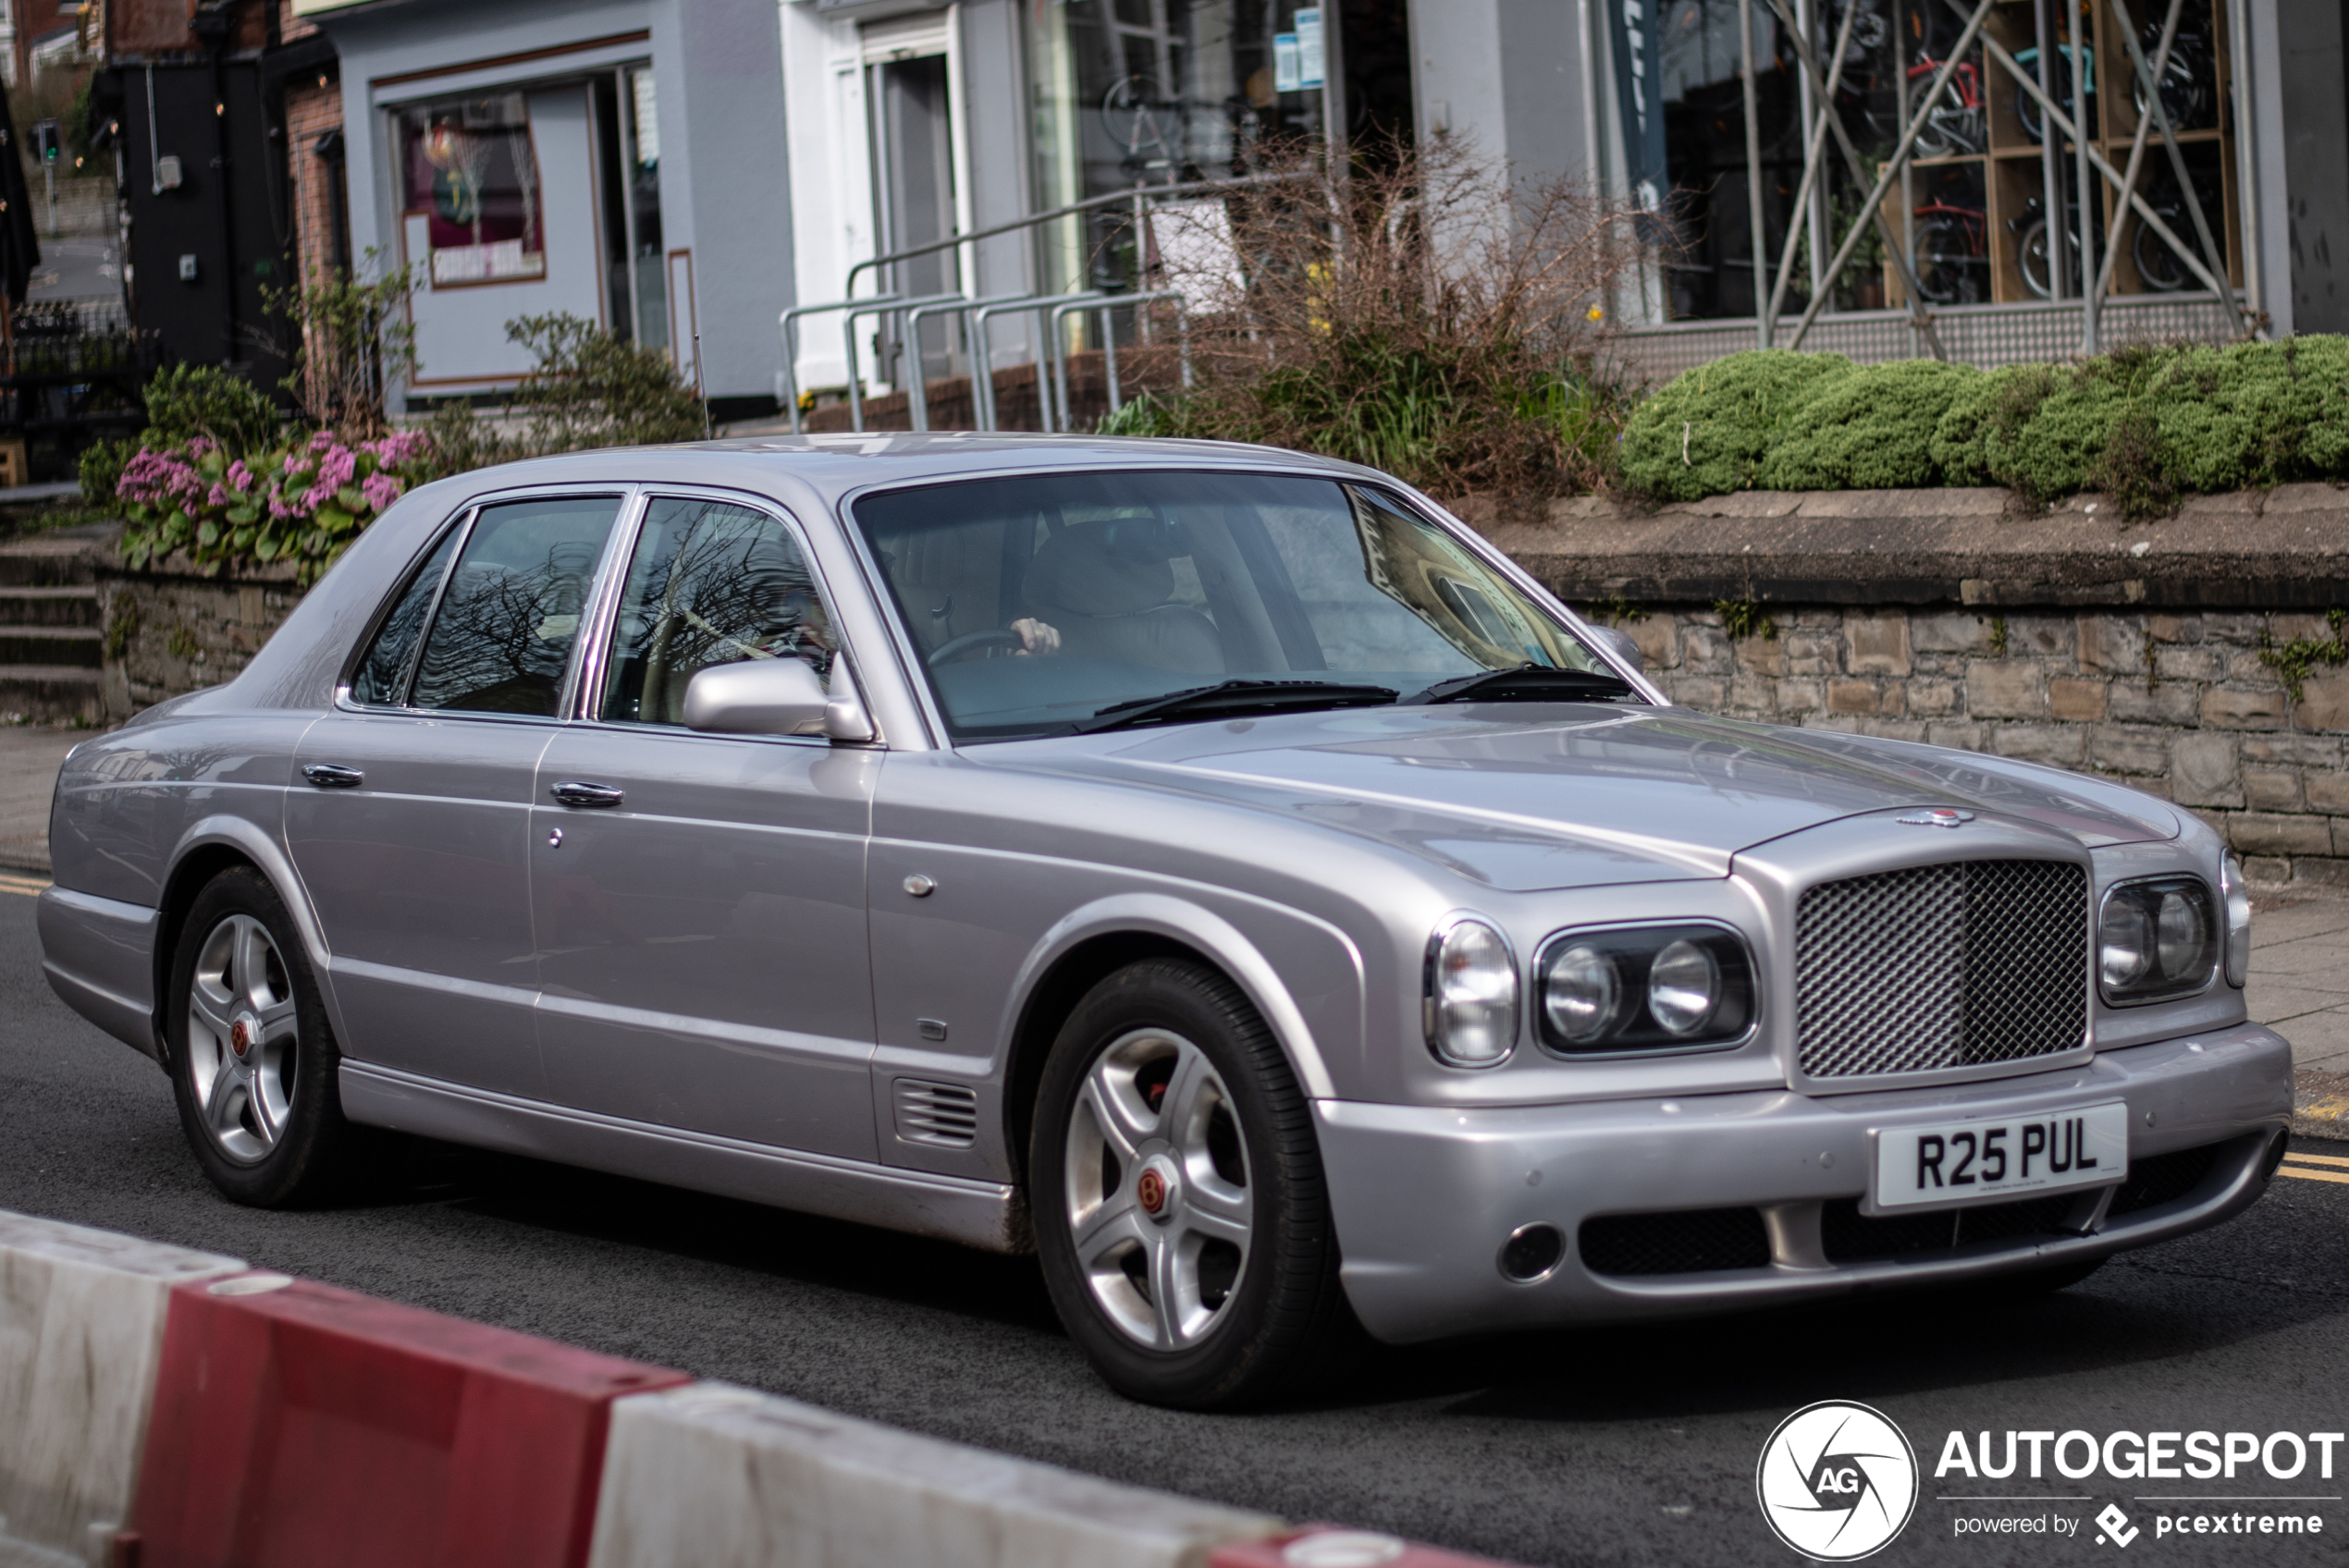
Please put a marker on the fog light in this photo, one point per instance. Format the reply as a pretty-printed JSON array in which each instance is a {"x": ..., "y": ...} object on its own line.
[{"x": 1532, "y": 1252}]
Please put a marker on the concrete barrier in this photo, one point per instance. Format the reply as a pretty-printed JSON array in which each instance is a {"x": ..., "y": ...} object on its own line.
[
  {"x": 81, "y": 1328},
  {"x": 723, "y": 1478},
  {"x": 296, "y": 1424}
]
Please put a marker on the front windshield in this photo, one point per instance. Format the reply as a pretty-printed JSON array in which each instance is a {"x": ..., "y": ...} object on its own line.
[{"x": 1036, "y": 602}]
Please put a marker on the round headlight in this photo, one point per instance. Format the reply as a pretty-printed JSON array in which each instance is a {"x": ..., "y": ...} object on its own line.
[
  {"x": 2178, "y": 936},
  {"x": 1472, "y": 995},
  {"x": 2125, "y": 941},
  {"x": 1683, "y": 986},
  {"x": 1581, "y": 995}
]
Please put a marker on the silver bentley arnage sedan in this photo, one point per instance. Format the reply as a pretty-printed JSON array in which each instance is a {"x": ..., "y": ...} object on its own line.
[{"x": 1216, "y": 869}]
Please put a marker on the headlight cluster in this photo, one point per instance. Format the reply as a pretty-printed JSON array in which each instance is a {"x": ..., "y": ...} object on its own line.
[
  {"x": 2156, "y": 938},
  {"x": 1597, "y": 992},
  {"x": 1644, "y": 987}
]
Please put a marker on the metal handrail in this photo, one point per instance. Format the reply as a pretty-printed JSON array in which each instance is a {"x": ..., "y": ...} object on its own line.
[
  {"x": 1138, "y": 196},
  {"x": 1105, "y": 303},
  {"x": 1057, "y": 391},
  {"x": 917, "y": 390},
  {"x": 982, "y": 357},
  {"x": 857, "y": 311}
]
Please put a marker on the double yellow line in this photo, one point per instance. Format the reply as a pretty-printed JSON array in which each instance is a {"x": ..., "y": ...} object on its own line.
[
  {"x": 22, "y": 882},
  {"x": 2315, "y": 1168}
]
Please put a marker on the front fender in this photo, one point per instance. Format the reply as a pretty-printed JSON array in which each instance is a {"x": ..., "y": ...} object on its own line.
[
  {"x": 1239, "y": 955},
  {"x": 267, "y": 853}
]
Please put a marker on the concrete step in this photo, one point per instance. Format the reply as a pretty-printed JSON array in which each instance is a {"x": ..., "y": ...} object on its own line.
[
  {"x": 52, "y": 694},
  {"x": 48, "y": 606},
  {"x": 65, "y": 559},
  {"x": 57, "y": 645}
]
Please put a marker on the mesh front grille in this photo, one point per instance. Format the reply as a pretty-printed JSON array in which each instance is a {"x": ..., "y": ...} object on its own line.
[
  {"x": 1692, "y": 1241},
  {"x": 1850, "y": 1236},
  {"x": 1942, "y": 966},
  {"x": 2164, "y": 1178}
]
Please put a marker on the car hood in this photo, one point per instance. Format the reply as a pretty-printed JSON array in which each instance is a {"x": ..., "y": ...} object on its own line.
[{"x": 1525, "y": 797}]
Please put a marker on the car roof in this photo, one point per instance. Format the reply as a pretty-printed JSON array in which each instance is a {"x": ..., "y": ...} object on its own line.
[{"x": 830, "y": 466}]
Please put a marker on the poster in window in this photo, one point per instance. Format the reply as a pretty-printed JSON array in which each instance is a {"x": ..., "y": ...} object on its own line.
[{"x": 471, "y": 172}]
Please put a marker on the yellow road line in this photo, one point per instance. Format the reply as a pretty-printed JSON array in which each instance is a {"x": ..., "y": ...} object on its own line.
[
  {"x": 2317, "y": 1158},
  {"x": 2314, "y": 1175},
  {"x": 29, "y": 886}
]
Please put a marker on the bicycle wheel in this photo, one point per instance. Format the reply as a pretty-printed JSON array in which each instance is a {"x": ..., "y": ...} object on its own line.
[
  {"x": 1949, "y": 263},
  {"x": 2031, "y": 255},
  {"x": 2161, "y": 268}
]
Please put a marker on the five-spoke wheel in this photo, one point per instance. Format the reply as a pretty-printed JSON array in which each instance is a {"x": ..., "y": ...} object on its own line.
[
  {"x": 252, "y": 1059},
  {"x": 241, "y": 1062},
  {"x": 1181, "y": 1212}
]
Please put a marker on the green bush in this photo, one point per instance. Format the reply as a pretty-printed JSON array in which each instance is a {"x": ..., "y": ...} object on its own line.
[
  {"x": 2255, "y": 414},
  {"x": 1870, "y": 429},
  {"x": 1705, "y": 432},
  {"x": 188, "y": 401},
  {"x": 101, "y": 470}
]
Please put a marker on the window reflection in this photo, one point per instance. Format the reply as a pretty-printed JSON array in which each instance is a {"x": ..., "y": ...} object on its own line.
[
  {"x": 711, "y": 584},
  {"x": 381, "y": 674},
  {"x": 507, "y": 624}
]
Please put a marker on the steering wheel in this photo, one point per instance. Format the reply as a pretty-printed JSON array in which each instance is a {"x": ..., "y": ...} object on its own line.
[{"x": 955, "y": 648}]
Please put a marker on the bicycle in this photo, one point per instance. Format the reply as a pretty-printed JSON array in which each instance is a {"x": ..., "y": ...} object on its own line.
[
  {"x": 1952, "y": 254},
  {"x": 2186, "y": 77},
  {"x": 2161, "y": 268},
  {"x": 2031, "y": 243},
  {"x": 1953, "y": 128},
  {"x": 2026, "y": 107}
]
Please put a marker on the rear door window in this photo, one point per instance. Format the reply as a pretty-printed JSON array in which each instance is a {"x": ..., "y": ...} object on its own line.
[
  {"x": 710, "y": 584},
  {"x": 511, "y": 616},
  {"x": 382, "y": 676}
]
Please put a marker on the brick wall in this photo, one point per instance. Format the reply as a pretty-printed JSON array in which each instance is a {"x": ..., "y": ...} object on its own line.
[
  {"x": 311, "y": 111},
  {"x": 167, "y": 631}
]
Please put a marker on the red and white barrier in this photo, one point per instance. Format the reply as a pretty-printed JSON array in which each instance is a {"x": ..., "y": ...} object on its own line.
[
  {"x": 296, "y": 1424},
  {"x": 82, "y": 1326},
  {"x": 257, "y": 1420}
]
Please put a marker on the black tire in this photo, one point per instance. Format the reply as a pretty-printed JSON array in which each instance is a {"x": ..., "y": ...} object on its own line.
[
  {"x": 1280, "y": 1330},
  {"x": 2032, "y": 259},
  {"x": 303, "y": 1151}
]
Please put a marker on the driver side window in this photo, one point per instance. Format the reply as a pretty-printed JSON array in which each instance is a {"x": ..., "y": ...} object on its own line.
[{"x": 710, "y": 584}]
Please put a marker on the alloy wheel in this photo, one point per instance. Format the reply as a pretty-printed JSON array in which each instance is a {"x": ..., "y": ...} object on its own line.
[
  {"x": 241, "y": 1033},
  {"x": 1159, "y": 1205}
]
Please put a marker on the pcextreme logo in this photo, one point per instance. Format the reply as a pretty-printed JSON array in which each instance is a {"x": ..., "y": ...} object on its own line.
[{"x": 1838, "y": 1481}]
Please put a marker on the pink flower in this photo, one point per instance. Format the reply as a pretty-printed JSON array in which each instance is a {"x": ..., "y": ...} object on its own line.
[
  {"x": 239, "y": 476},
  {"x": 381, "y": 490},
  {"x": 399, "y": 448}
]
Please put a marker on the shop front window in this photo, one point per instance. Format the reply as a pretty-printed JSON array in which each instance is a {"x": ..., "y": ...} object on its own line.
[
  {"x": 471, "y": 172},
  {"x": 1971, "y": 210},
  {"x": 1137, "y": 93}
]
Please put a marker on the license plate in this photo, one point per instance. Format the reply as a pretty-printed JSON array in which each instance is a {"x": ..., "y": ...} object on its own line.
[{"x": 1956, "y": 1162}]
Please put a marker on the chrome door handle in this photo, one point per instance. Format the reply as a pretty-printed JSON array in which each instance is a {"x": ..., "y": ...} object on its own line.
[
  {"x": 332, "y": 776},
  {"x": 586, "y": 797}
]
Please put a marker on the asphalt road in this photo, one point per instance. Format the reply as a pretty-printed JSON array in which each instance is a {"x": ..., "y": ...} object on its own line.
[{"x": 1612, "y": 1446}]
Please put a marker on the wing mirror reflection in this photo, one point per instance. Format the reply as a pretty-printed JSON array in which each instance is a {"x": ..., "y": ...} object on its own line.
[
  {"x": 1620, "y": 643},
  {"x": 775, "y": 697}
]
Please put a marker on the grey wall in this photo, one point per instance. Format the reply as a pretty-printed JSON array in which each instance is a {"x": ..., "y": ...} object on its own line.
[
  {"x": 994, "y": 83},
  {"x": 1506, "y": 75},
  {"x": 2315, "y": 161}
]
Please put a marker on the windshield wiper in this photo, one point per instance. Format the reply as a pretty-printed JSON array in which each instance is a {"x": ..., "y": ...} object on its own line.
[
  {"x": 1236, "y": 697},
  {"x": 1527, "y": 683}
]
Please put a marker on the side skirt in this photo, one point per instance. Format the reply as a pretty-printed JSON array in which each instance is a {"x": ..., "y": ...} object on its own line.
[{"x": 988, "y": 1215}]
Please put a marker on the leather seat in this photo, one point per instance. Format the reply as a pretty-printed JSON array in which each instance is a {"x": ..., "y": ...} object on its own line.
[{"x": 1108, "y": 588}]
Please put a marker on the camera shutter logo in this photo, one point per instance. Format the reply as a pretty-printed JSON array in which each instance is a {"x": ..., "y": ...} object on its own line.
[{"x": 1837, "y": 1481}]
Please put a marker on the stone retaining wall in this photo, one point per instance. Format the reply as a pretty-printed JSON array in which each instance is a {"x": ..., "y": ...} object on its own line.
[
  {"x": 2073, "y": 639},
  {"x": 176, "y": 629}
]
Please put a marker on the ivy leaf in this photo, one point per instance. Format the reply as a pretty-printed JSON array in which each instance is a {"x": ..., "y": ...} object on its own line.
[
  {"x": 208, "y": 535},
  {"x": 245, "y": 512},
  {"x": 334, "y": 519},
  {"x": 265, "y": 549},
  {"x": 353, "y": 499}
]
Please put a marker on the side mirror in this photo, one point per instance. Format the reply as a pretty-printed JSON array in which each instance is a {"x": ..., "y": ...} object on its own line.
[
  {"x": 845, "y": 714},
  {"x": 1619, "y": 642},
  {"x": 756, "y": 697}
]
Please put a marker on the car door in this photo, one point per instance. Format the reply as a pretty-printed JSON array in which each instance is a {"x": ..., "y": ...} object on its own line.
[
  {"x": 700, "y": 898},
  {"x": 409, "y": 816}
]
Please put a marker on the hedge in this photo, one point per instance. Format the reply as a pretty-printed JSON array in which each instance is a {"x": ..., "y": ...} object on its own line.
[{"x": 2142, "y": 425}]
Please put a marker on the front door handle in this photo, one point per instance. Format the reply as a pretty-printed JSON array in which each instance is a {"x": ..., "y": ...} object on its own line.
[
  {"x": 586, "y": 797},
  {"x": 332, "y": 776}
]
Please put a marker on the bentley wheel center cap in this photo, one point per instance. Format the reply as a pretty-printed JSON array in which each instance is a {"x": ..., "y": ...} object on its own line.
[
  {"x": 1154, "y": 1190},
  {"x": 240, "y": 1035}
]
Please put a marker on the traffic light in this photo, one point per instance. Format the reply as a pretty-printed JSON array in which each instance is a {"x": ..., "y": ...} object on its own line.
[{"x": 46, "y": 145}]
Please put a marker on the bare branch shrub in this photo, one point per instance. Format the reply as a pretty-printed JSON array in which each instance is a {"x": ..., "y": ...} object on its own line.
[{"x": 1432, "y": 318}]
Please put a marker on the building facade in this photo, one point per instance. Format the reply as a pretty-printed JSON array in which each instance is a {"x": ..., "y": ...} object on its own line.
[{"x": 1884, "y": 177}]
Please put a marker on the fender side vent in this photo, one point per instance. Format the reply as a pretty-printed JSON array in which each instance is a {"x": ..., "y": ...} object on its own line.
[{"x": 944, "y": 1115}]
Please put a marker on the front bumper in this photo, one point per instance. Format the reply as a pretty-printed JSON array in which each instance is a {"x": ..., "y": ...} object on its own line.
[{"x": 1425, "y": 1196}]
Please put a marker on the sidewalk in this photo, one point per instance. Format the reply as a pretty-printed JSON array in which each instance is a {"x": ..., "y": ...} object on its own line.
[{"x": 30, "y": 757}]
